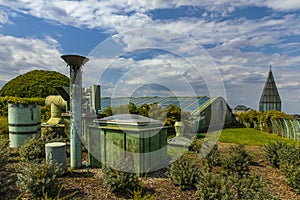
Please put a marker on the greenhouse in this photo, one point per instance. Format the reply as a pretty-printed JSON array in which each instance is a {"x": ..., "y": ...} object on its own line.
[{"x": 206, "y": 111}]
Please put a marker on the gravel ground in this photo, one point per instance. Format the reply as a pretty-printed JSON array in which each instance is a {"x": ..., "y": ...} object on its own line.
[{"x": 87, "y": 182}]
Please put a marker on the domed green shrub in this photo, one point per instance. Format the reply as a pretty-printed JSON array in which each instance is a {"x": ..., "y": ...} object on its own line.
[
  {"x": 35, "y": 178},
  {"x": 185, "y": 172},
  {"x": 238, "y": 161},
  {"x": 250, "y": 186},
  {"x": 212, "y": 187},
  {"x": 120, "y": 181},
  {"x": 273, "y": 151},
  {"x": 37, "y": 83}
]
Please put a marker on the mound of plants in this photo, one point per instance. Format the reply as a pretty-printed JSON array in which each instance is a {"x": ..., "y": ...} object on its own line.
[
  {"x": 34, "y": 148},
  {"x": 36, "y": 178},
  {"x": 119, "y": 180},
  {"x": 234, "y": 180},
  {"x": 4, "y": 155},
  {"x": 37, "y": 83},
  {"x": 3, "y": 125},
  {"x": 238, "y": 161},
  {"x": 287, "y": 158},
  {"x": 185, "y": 172}
]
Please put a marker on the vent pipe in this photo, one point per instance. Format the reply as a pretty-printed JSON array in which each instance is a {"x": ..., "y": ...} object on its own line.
[{"x": 75, "y": 62}]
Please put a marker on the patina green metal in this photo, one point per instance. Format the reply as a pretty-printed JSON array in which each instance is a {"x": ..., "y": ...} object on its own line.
[
  {"x": 56, "y": 151},
  {"x": 75, "y": 62},
  {"x": 23, "y": 123},
  {"x": 142, "y": 139}
]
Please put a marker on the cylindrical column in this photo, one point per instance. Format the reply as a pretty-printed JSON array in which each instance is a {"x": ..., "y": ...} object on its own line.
[
  {"x": 76, "y": 118},
  {"x": 56, "y": 151},
  {"x": 75, "y": 62},
  {"x": 22, "y": 123}
]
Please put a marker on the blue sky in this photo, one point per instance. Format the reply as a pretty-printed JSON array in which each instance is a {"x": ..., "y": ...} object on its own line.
[{"x": 213, "y": 48}]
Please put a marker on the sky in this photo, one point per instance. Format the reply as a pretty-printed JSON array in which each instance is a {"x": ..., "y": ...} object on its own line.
[{"x": 160, "y": 47}]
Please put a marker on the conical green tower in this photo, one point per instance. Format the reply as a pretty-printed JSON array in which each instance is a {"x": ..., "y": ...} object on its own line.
[{"x": 270, "y": 99}]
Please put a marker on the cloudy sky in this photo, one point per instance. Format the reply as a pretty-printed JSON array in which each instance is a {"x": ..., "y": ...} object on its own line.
[{"x": 160, "y": 47}]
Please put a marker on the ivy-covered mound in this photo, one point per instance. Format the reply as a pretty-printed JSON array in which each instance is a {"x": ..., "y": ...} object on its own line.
[{"x": 37, "y": 83}]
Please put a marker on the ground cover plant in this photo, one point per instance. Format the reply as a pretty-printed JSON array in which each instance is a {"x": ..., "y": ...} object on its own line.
[
  {"x": 4, "y": 156},
  {"x": 287, "y": 158},
  {"x": 262, "y": 180}
]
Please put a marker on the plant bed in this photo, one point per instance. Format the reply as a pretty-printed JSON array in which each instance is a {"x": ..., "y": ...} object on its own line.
[{"x": 88, "y": 183}]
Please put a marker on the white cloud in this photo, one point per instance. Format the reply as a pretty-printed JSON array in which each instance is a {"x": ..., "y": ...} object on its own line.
[
  {"x": 20, "y": 55},
  {"x": 283, "y": 5},
  {"x": 3, "y": 18},
  {"x": 228, "y": 38}
]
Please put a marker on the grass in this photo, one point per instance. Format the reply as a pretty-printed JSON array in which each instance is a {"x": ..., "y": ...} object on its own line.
[{"x": 249, "y": 136}]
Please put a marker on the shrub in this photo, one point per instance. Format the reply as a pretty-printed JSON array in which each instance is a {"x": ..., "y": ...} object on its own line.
[
  {"x": 289, "y": 156},
  {"x": 273, "y": 151},
  {"x": 34, "y": 148},
  {"x": 57, "y": 197},
  {"x": 120, "y": 182},
  {"x": 185, "y": 172},
  {"x": 213, "y": 157},
  {"x": 138, "y": 195},
  {"x": 238, "y": 161},
  {"x": 3, "y": 125},
  {"x": 36, "y": 83},
  {"x": 211, "y": 187},
  {"x": 252, "y": 186},
  {"x": 290, "y": 166},
  {"x": 196, "y": 145},
  {"x": 4, "y": 155},
  {"x": 292, "y": 175},
  {"x": 38, "y": 178}
]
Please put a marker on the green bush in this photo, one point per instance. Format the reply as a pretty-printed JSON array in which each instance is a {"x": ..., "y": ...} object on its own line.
[
  {"x": 45, "y": 196},
  {"x": 120, "y": 181},
  {"x": 34, "y": 148},
  {"x": 185, "y": 172},
  {"x": 36, "y": 83},
  {"x": 292, "y": 176},
  {"x": 238, "y": 161},
  {"x": 45, "y": 110},
  {"x": 3, "y": 125},
  {"x": 213, "y": 157},
  {"x": 289, "y": 156},
  {"x": 289, "y": 161},
  {"x": 212, "y": 187},
  {"x": 273, "y": 151},
  {"x": 196, "y": 145},
  {"x": 4, "y": 155},
  {"x": 138, "y": 195},
  {"x": 251, "y": 186},
  {"x": 36, "y": 179}
]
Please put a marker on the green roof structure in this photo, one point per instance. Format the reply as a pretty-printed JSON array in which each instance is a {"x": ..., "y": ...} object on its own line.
[
  {"x": 207, "y": 111},
  {"x": 186, "y": 103},
  {"x": 270, "y": 99}
]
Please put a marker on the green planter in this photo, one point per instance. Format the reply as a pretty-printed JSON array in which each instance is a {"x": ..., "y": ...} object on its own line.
[
  {"x": 23, "y": 122},
  {"x": 140, "y": 140}
]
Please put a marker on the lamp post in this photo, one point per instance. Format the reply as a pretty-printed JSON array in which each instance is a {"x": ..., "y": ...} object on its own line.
[{"x": 75, "y": 62}]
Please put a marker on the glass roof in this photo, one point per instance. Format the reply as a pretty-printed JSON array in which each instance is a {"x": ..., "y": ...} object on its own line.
[
  {"x": 189, "y": 104},
  {"x": 129, "y": 119}
]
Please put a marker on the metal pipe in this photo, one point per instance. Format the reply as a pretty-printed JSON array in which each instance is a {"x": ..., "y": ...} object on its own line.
[{"x": 75, "y": 62}]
